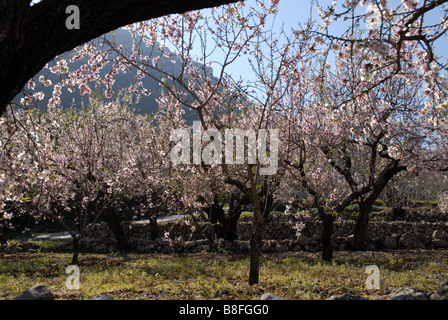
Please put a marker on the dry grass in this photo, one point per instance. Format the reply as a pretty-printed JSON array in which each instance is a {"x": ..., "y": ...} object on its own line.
[{"x": 222, "y": 276}]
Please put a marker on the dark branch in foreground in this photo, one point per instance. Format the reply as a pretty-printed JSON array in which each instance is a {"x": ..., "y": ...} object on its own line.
[{"x": 31, "y": 36}]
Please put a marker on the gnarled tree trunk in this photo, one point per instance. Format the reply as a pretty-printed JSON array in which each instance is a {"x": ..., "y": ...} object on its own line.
[
  {"x": 76, "y": 244},
  {"x": 255, "y": 251},
  {"x": 154, "y": 227},
  {"x": 114, "y": 222},
  {"x": 362, "y": 223},
  {"x": 3, "y": 240},
  {"x": 365, "y": 204},
  {"x": 327, "y": 230},
  {"x": 225, "y": 225}
]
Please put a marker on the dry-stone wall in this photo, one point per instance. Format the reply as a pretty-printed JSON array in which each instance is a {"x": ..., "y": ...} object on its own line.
[
  {"x": 279, "y": 236},
  {"x": 443, "y": 201},
  {"x": 416, "y": 216}
]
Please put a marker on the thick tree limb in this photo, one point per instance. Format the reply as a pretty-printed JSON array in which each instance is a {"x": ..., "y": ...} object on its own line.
[
  {"x": 31, "y": 36},
  {"x": 345, "y": 171}
]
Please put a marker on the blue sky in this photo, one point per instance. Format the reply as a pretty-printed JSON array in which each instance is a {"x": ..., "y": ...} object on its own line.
[{"x": 291, "y": 12}]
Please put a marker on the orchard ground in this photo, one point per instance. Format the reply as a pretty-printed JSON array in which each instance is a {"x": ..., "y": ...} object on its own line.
[{"x": 221, "y": 276}]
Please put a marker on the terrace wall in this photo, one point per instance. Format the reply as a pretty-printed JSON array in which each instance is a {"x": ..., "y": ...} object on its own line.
[{"x": 279, "y": 235}]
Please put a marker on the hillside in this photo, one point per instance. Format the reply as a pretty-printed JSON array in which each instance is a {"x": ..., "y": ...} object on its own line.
[{"x": 146, "y": 105}]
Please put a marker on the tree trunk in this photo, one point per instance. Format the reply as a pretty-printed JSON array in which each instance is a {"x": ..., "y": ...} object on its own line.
[
  {"x": 217, "y": 219},
  {"x": 365, "y": 204},
  {"x": 255, "y": 251},
  {"x": 360, "y": 232},
  {"x": 114, "y": 223},
  {"x": 3, "y": 240},
  {"x": 225, "y": 226},
  {"x": 256, "y": 237},
  {"x": 327, "y": 231},
  {"x": 230, "y": 228},
  {"x": 154, "y": 227},
  {"x": 76, "y": 241}
]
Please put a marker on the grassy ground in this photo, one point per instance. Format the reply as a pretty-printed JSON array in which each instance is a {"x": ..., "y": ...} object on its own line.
[{"x": 222, "y": 276}]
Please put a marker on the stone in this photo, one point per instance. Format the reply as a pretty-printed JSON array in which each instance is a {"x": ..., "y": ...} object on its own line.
[
  {"x": 351, "y": 239},
  {"x": 102, "y": 297},
  {"x": 440, "y": 234},
  {"x": 270, "y": 296},
  {"x": 398, "y": 214},
  {"x": 244, "y": 247},
  {"x": 421, "y": 245},
  {"x": 265, "y": 246},
  {"x": 346, "y": 296},
  {"x": 166, "y": 249},
  {"x": 281, "y": 247},
  {"x": 408, "y": 240},
  {"x": 442, "y": 200},
  {"x": 304, "y": 240},
  {"x": 11, "y": 249},
  {"x": 36, "y": 292},
  {"x": 440, "y": 239},
  {"x": 435, "y": 296},
  {"x": 390, "y": 242},
  {"x": 407, "y": 293},
  {"x": 440, "y": 243},
  {"x": 371, "y": 246},
  {"x": 334, "y": 242},
  {"x": 442, "y": 293}
]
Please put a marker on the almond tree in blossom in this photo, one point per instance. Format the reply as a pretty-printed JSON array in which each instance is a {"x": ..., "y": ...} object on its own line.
[
  {"x": 219, "y": 101},
  {"x": 378, "y": 110},
  {"x": 76, "y": 159}
]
